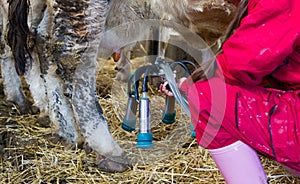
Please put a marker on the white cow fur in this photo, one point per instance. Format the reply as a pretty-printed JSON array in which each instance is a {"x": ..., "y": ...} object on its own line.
[
  {"x": 76, "y": 118},
  {"x": 12, "y": 84}
]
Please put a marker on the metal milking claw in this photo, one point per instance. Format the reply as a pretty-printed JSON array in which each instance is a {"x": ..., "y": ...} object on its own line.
[{"x": 155, "y": 74}]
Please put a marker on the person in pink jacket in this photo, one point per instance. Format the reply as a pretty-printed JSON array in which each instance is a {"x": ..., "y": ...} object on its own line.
[{"x": 247, "y": 101}]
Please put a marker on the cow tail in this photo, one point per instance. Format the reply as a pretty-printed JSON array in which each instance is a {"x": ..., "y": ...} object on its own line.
[{"x": 18, "y": 32}]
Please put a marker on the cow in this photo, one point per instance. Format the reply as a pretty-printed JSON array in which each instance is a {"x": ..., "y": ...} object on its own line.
[
  {"x": 207, "y": 19},
  {"x": 54, "y": 45},
  {"x": 120, "y": 13}
]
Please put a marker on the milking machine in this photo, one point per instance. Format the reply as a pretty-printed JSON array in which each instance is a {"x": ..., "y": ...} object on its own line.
[{"x": 158, "y": 73}]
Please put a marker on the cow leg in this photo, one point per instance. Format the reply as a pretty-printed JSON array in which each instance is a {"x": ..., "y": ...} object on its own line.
[
  {"x": 91, "y": 121},
  {"x": 60, "y": 110},
  {"x": 46, "y": 87},
  {"x": 13, "y": 85},
  {"x": 40, "y": 25},
  {"x": 37, "y": 89},
  {"x": 75, "y": 55}
]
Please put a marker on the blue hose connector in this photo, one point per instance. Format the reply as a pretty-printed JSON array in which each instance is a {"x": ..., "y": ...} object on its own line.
[
  {"x": 144, "y": 140},
  {"x": 193, "y": 133},
  {"x": 144, "y": 137},
  {"x": 169, "y": 115},
  {"x": 169, "y": 118},
  {"x": 128, "y": 125}
]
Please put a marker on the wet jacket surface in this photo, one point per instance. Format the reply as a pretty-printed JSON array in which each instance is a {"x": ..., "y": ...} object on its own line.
[
  {"x": 266, "y": 44},
  {"x": 266, "y": 47}
]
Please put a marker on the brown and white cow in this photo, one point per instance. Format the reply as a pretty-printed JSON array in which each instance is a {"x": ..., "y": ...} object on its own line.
[{"x": 207, "y": 19}]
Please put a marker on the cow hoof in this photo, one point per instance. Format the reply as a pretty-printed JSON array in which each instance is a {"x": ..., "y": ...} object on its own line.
[
  {"x": 57, "y": 139},
  {"x": 44, "y": 121},
  {"x": 34, "y": 109},
  {"x": 23, "y": 109},
  {"x": 87, "y": 148},
  {"x": 114, "y": 164}
]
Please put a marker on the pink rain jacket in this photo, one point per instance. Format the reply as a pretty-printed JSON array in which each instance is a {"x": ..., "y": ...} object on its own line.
[{"x": 266, "y": 47}]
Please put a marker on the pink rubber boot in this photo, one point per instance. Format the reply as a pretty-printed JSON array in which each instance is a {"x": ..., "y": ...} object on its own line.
[{"x": 239, "y": 164}]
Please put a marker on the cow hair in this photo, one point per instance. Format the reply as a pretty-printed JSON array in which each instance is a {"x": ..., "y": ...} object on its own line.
[
  {"x": 207, "y": 69},
  {"x": 18, "y": 32}
]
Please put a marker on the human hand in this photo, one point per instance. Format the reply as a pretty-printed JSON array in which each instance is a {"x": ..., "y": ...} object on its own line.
[{"x": 165, "y": 88}]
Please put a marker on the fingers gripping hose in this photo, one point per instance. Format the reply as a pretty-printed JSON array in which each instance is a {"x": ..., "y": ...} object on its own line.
[{"x": 181, "y": 100}]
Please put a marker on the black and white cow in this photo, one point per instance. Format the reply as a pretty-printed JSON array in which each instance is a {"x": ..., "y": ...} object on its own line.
[{"x": 57, "y": 56}]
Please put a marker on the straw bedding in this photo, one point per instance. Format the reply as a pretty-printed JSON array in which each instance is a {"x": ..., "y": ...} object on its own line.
[{"x": 29, "y": 154}]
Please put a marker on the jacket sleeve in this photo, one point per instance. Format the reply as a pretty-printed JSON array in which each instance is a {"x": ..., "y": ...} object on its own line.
[{"x": 261, "y": 43}]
